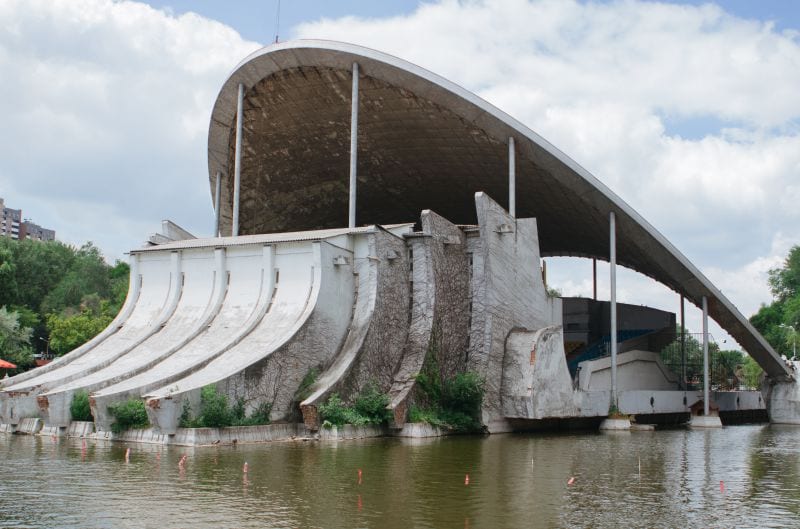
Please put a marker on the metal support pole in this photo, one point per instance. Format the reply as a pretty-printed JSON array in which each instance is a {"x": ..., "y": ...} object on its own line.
[
  {"x": 351, "y": 221},
  {"x": 594, "y": 279},
  {"x": 612, "y": 252},
  {"x": 237, "y": 164},
  {"x": 217, "y": 190},
  {"x": 705, "y": 356},
  {"x": 684, "y": 382},
  {"x": 512, "y": 179}
]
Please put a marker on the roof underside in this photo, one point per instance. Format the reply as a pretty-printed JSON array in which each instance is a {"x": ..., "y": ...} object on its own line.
[{"x": 423, "y": 143}]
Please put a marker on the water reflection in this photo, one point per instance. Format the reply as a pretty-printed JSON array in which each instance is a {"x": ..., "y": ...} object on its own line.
[{"x": 643, "y": 479}]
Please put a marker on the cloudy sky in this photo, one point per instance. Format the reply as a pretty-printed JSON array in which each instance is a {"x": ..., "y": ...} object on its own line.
[{"x": 687, "y": 110}]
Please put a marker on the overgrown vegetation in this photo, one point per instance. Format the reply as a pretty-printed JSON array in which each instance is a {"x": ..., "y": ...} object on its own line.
[
  {"x": 304, "y": 391},
  {"x": 128, "y": 415},
  {"x": 215, "y": 412},
  {"x": 79, "y": 407},
  {"x": 369, "y": 407},
  {"x": 452, "y": 403},
  {"x": 59, "y": 297}
]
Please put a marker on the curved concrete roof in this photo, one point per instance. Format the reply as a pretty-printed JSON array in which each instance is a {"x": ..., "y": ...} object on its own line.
[{"x": 423, "y": 143}]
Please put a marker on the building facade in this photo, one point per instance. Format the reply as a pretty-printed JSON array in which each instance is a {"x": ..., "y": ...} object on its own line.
[{"x": 12, "y": 225}]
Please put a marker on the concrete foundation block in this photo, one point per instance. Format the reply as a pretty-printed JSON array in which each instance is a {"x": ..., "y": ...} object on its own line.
[
  {"x": 30, "y": 426},
  {"x": 615, "y": 425},
  {"x": 705, "y": 421},
  {"x": 419, "y": 430}
]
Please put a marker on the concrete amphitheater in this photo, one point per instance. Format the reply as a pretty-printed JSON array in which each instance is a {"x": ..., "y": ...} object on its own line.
[{"x": 450, "y": 206}]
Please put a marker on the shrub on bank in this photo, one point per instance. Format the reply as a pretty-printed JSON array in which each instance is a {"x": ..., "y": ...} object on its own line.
[
  {"x": 79, "y": 407},
  {"x": 215, "y": 412},
  {"x": 369, "y": 407},
  {"x": 453, "y": 403},
  {"x": 128, "y": 415}
]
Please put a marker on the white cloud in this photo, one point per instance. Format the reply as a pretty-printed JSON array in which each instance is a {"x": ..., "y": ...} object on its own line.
[
  {"x": 610, "y": 84},
  {"x": 106, "y": 108}
]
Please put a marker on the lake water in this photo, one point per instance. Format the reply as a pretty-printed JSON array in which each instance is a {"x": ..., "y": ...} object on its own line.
[{"x": 739, "y": 476}]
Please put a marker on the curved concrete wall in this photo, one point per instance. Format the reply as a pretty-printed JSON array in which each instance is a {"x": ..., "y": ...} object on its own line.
[
  {"x": 379, "y": 326},
  {"x": 249, "y": 295},
  {"x": 203, "y": 290},
  {"x": 160, "y": 278}
]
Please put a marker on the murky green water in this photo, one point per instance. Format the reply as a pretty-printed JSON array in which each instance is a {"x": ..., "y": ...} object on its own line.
[{"x": 514, "y": 481}]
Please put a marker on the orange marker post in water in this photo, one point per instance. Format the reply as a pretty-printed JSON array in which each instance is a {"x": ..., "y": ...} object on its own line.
[
  {"x": 359, "y": 476},
  {"x": 466, "y": 479},
  {"x": 721, "y": 486},
  {"x": 245, "y": 468},
  {"x": 571, "y": 480}
]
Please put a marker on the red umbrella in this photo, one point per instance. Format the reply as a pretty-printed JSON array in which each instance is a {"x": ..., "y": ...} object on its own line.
[{"x": 6, "y": 365}]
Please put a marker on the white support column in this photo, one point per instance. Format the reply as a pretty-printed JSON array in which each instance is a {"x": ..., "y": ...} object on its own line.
[
  {"x": 351, "y": 219},
  {"x": 217, "y": 189},
  {"x": 705, "y": 356},
  {"x": 612, "y": 252},
  {"x": 512, "y": 179},
  {"x": 237, "y": 175},
  {"x": 684, "y": 382}
]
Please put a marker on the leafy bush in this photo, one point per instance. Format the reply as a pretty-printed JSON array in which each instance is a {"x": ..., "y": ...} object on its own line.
[
  {"x": 371, "y": 404},
  {"x": 128, "y": 415},
  {"x": 79, "y": 407},
  {"x": 453, "y": 403},
  {"x": 369, "y": 407},
  {"x": 215, "y": 412},
  {"x": 337, "y": 413}
]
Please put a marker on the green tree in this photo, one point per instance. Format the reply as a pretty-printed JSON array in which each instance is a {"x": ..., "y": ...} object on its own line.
[
  {"x": 779, "y": 322},
  {"x": 15, "y": 340},
  {"x": 71, "y": 331},
  {"x": 785, "y": 281},
  {"x": 87, "y": 274}
]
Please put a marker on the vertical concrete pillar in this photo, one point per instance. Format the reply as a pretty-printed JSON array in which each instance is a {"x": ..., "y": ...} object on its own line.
[
  {"x": 683, "y": 345},
  {"x": 705, "y": 356},
  {"x": 512, "y": 179},
  {"x": 237, "y": 174},
  {"x": 217, "y": 188},
  {"x": 594, "y": 279},
  {"x": 351, "y": 221},
  {"x": 612, "y": 252}
]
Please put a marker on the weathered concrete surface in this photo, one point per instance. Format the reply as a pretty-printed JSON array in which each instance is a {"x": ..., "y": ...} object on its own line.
[
  {"x": 705, "y": 421},
  {"x": 507, "y": 293},
  {"x": 249, "y": 293},
  {"x": 303, "y": 330},
  {"x": 418, "y": 430},
  {"x": 635, "y": 370},
  {"x": 350, "y": 431},
  {"x": 616, "y": 425},
  {"x": 536, "y": 380},
  {"x": 784, "y": 398},
  {"x": 160, "y": 278},
  {"x": 203, "y": 291},
  {"x": 379, "y": 326},
  {"x": 440, "y": 311}
]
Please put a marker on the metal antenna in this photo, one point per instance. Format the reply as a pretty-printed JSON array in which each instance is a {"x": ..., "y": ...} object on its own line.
[{"x": 277, "y": 21}]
